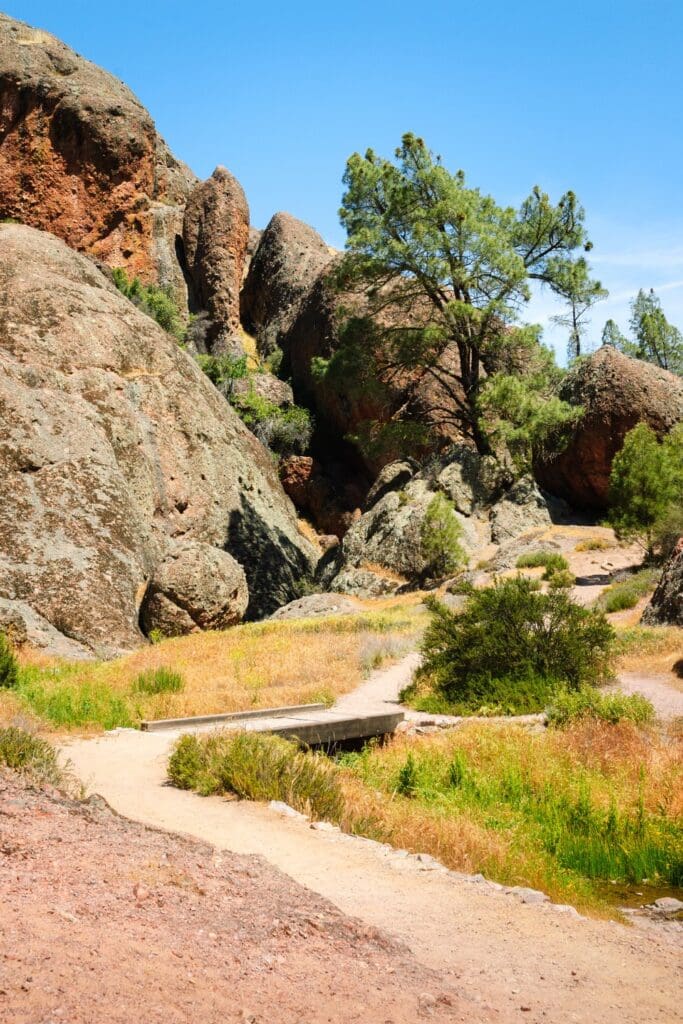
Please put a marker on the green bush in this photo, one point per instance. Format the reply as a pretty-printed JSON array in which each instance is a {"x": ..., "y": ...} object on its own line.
[
  {"x": 440, "y": 534},
  {"x": 627, "y": 593},
  {"x": 223, "y": 370},
  {"x": 488, "y": 696},
  {"x": 159, "y": 680},
  {"x": 9, "y": 669},
  {"x": 561, "y": 579},
  {"x": 286, "y": 431},
  {"x": 256, "y": 766},
  {"x": 608, "y": 707},
  {"x": 22, "y": 752},
  {"x": 511, "y": 635},
  {"x": 158, "y": 303}
]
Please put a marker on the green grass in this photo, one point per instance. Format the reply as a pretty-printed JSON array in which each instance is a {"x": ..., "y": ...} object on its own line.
[
  {"x": 550, "y": 560},
  {"x": 78, "y": 704},
  {"x": 486, "y": 696},
  {"x": 627, "y": 593},
  {"x": 570, "y": 707},
  {"x": 22, "y": 752},
  {"x": 159, "y": 680},
  {"x": 257, "y": 767}
]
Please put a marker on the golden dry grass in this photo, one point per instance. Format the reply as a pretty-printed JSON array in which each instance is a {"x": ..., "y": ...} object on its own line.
[{"x": 256, "y": 665}]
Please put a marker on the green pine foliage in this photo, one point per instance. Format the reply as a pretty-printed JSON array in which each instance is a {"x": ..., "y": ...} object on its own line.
[
  {"x": 653, "y": 338},
  {"x": 646, "y": 486},
  {"x": 440, "y": 535}
]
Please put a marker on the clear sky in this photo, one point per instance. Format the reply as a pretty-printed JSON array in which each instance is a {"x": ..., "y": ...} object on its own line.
[{"x": 587, "y": 96}]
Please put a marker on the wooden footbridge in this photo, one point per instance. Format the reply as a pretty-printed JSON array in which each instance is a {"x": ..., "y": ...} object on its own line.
[{"x": 316, "y": 725}]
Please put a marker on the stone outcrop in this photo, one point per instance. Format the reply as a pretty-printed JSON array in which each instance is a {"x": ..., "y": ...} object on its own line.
[
  {"x": 115, "y": 448},
  {"x": 666, "y": 604},
  {"x": 317, "y": 606},
  {"x": 266, "y": 386},
  {"x": 616, "y": 393},
  {"x": 195, "y": 587},
  {"x": 80, "y": 157},
  {"x": 215, "y": 240},
  {"x": 289, "y": 258},
  {"x": 332, "y": 505},
  {"x": 525, "y": 507}
]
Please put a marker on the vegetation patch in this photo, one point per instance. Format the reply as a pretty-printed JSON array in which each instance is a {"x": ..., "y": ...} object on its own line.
[
  {"x": 627, "y": 593},
  {"x": 509, "y": 650},
  {"x": 551, "y": 561},
  {"x": 258, "y": 767},
  {"x": 607, "y": 707},
  {"x": 594, "y": 544},
  {"x": 31, "y": 755},
  {"x": 158, "y": 303},
  {"x": 9, "y": 668},
  {"x": 256, "y": 665}
]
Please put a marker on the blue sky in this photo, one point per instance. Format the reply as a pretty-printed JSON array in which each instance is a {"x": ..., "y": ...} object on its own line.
[{"x": 587, "y": 96}]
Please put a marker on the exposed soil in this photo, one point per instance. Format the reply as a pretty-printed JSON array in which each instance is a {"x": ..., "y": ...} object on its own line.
[{"x": 106, "y": 920}]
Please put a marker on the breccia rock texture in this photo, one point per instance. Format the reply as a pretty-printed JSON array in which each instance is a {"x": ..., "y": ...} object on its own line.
[
  {"x": 616, "y": 393},
  {"x": 666, "y": 604},
  {"x": 289, "y": 257},
  {"x": 215, "y": 239},
  {"x": 80, "y": 157},
  {"x": 115, "y": 447},
  {"x": 195, "y": 587}
]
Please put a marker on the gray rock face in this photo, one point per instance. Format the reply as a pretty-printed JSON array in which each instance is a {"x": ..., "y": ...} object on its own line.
[
  {"x": 522, "y": 508},
  {"x": 316, "y": 605},
  {"x": 391, "y": 477},
  {"x": 195, "y": 587},
  {"x": 215, "y": 237},
  {"x": 265, "y": 385},
  {"x": 289, "y": 258},
  {"x": 666, "y": 604},
  {"x": 114, "y": 447}
]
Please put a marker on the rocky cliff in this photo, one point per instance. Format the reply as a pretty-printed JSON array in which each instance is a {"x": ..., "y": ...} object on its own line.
[{"x": 115, "y": 450}]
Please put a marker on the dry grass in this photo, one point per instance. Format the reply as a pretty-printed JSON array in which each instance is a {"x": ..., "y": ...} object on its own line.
[
  {"x": 250, "y": 666},
  {"x": 649, "y": 650}
]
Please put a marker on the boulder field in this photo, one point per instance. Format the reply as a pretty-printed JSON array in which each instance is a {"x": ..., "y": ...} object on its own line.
[{"x": 115, "y": 450}]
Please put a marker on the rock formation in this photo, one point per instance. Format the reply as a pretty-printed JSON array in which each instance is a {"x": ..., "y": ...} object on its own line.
[
  {"x": 289, "y": 258},
  {"x": 80, "y": 157},
  {"x": 333, "y": 505},
  {"x": 666, "y": 605},
  {"x": 115, "y": 448},
  {"x": 195, "y": 587},
  {"x": 215, "y": 239},
  {"x": 616, "y": 393}
]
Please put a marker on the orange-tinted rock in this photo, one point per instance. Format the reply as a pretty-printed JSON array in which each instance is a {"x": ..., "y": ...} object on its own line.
[
  {"x": 333, "y": 505},
  {"x": 80, "y": 157},
  {"x": 216, "y": 236},
  {"x": 617, "y": 393}
]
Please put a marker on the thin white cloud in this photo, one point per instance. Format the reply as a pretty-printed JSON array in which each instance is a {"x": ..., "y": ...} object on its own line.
[
  {"x": 649, "y": 259},
  {"x": 668, "y": 286}
]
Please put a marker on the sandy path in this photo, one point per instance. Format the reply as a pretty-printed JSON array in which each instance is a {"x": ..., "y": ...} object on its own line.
[
  {"x": 523, "y": 960},
  {"x": 667, "y": 701}
]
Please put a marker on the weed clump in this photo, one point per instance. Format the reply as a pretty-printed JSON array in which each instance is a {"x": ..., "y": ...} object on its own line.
[
  {"x": 9, "y": 668},
  {"x": 551, "y": 561},
  {"x": 257, "y": 767},
  {"x": 627, "y": 593},
  {"x": 159, "y": 680},
  {"x": 588, "y": 702},
  {"x": 30, "y": 755}
]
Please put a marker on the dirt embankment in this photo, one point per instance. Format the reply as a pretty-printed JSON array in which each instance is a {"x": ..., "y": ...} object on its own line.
[{"x": 105, "y": 920}]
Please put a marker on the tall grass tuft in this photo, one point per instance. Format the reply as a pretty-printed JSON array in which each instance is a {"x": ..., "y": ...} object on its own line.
[
  {"x": 30, "y": 755},
  {"x": 158, "y": 680}
]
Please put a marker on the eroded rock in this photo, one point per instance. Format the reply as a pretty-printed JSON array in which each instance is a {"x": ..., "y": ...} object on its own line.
[{"x": 666, "y": 604}]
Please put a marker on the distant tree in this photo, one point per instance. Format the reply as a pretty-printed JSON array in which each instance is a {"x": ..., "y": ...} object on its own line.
[
  {"x": 581, "y": 293},
  {"x": 457, "y": 265},
  {"x": 611, "y": 335},
  {"x": 646, "y": 485},
  {"x": 653, "y": 339}
]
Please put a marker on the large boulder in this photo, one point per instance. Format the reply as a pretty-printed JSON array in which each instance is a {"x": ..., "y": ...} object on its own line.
[
  {"x": 195, "y": 587},
  {"x": 215, "y": 239},
  {"x": 115, "y": 447},
  {"x": 80, "y": 157},
  {"x": 525, "y": 507},
  {"x": 666, "y": 604},
  {"x": 616, "y": 393},
  {"x": 289, "y": 258}
]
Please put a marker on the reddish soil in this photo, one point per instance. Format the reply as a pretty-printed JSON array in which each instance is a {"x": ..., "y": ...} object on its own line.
[{"x": 107, "y": 920}]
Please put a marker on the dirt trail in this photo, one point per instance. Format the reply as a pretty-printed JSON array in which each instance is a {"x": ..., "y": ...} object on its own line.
[{"x": 522, "y": 960}]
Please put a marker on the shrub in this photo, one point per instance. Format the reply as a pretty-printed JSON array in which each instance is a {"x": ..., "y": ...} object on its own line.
[
  {"x": 562, "y": 579},
  {"x": 285, "y": 431},
  {"x": 256, "y": 766},
  {"x": 512, "y": 634},
  {"x": 22, "y": 752},
  {"x": 593, "y": 544},
  {"x": 223, "y": 370},
  {"x": 626, "y": 593},
  {"x": 588, "y": 702},
  {"x": 159, "y": 680},
  {"x": 158, "y": 303},
  {"x": 9, "y": 669},
  {"x": 440, "y": 534}
]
